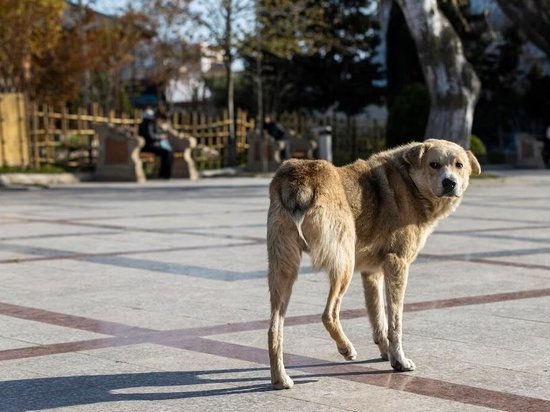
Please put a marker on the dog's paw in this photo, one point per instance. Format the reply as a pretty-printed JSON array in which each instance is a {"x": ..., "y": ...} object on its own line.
[
  {"x": 383, "y": 346},
  {"x": 283, "y": 383},
  {"x": 405, "y": 365},
  {"x": 349, "y": 352}
]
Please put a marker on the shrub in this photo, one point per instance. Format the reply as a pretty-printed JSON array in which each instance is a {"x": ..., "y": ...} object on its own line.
[{"x": 477, "y": 146}]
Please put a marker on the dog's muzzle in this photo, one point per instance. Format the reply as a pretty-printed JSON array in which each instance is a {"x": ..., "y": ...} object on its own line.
[{"x": 449, "y": 187}]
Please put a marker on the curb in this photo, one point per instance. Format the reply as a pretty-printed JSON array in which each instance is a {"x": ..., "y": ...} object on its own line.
[{"x": 40, "y": 179}]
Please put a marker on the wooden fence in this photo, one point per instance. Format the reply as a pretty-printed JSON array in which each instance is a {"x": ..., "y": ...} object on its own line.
[
  {"x": 352, "y": 137},
  {"x": 66, "y": 138},
  {"x": 38, "y": 135},
  {"x": 212, "y": 135}
]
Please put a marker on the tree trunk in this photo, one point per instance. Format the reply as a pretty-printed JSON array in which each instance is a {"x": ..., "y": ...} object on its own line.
[
  {"x": 260, "y": 116},
  {"x": 232, "y": 147},
  {"x": 451, "y": 80},
  {"x": 232, "y": 144}
]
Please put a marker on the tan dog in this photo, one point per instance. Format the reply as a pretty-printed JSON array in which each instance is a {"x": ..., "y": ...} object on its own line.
[{"x": 370, "y": 216}]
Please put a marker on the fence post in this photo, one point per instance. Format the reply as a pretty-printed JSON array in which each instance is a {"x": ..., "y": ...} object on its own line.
[
  {"x": 2, "y": 142},
  {"x": 33, "y": 133},
  {"x": 64, "y": 120},
  {"x": 20, "y": 113}
]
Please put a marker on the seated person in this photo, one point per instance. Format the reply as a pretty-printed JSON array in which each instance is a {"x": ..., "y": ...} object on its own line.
[
  {"x": 278, "y": 132},
  {"x": 156, "y": 140}
]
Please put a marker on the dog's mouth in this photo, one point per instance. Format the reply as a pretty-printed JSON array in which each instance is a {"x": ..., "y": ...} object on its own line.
[{"x": 449, "y": 194}]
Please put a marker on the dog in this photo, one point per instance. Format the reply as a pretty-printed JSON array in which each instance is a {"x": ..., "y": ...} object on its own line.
[{"x": 372, "y": 216}]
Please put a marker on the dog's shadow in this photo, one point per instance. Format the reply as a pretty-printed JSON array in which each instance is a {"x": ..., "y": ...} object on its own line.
[{"x": 66, "y": 391}]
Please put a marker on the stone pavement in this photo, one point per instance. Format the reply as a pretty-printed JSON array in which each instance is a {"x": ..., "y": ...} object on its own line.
[{"x": 153, "y": 297}]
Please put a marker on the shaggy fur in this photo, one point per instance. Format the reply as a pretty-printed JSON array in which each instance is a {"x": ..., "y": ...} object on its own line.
[{"x": 370, "y": 216}]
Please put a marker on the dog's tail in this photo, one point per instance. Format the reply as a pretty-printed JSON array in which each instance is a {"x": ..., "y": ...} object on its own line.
[{"x": 297, "y": 198}]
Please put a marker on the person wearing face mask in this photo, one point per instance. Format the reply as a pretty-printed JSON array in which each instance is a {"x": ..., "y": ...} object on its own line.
[{"x": 156, "y": 141}]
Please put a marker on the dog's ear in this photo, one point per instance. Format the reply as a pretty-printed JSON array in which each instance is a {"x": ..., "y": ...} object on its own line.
[
  {"x": 474, "y": 164},
  {"x": 413, "y": 156}
]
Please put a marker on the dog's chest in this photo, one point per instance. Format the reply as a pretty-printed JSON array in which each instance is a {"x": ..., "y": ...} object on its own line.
[{"x": 370, "y": 253}]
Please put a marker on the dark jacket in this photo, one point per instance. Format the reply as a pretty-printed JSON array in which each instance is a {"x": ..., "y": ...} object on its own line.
[
  {"x": 276, "y": 130},
  {"x": 149, "y": 131}
]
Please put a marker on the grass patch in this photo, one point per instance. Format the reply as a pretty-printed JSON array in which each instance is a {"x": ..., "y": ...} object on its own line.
[{"x": 47, "y": 169}]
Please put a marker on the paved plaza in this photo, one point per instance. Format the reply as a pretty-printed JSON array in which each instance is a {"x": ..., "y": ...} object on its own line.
[{"x": 153, "y": 297}]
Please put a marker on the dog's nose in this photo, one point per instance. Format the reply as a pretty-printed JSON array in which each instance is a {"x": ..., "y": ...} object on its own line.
[{"x": 448, "y": 184}]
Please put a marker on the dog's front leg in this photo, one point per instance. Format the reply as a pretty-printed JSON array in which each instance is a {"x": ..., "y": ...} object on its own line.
[
  {"x": 396, "y": 271},
  {"x": 373, "y": 285}
]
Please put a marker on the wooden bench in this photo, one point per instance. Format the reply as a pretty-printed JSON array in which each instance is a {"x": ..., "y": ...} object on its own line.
[
  {"x": 183, "y": 165},
  {"x": 120, "y": 158},
  {"x": 264, "y": 152},
  {"x": 119, "y": 154},
  {"x": 301, "y": 148}
]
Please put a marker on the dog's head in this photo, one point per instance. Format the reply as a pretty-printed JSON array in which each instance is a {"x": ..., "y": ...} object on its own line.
[{"x": 440, "y": 168}]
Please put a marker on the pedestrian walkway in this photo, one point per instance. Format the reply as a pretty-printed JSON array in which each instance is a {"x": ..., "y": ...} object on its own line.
[{"x": 123, "y": 297}]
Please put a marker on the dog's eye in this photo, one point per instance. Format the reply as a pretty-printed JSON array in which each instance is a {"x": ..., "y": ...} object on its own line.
[
  {"x": 459, "y": 165},
  {"x": 435, "y": 165}
]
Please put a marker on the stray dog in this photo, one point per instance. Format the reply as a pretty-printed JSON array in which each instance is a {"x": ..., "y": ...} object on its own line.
[{"x": 370, "y": 216}]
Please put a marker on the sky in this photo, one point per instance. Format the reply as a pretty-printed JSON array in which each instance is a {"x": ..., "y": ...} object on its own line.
[
  {"x": 109, "y": 6},
  {"x": 114, "y": 6}
]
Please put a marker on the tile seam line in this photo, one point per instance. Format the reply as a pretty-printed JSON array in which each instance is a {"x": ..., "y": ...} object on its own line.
[
  {"x": 248, "y": 242},
  {"x": 401, "y": 382},
  {"x": 84, "y": 223},
  {"x": 78, "y": 256},
  {"x": 361, "y": 312},
  {"x": 128, "y": 331},
  {"x": 76, "y": 222},
  {"x": 340, "y": 370}
]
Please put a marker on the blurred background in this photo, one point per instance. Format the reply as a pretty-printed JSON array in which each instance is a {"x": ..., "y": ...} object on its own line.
[{"x": 378, "y": 73}]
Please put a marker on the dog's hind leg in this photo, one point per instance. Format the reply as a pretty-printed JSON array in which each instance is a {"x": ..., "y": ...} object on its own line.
[
  {"x": 374, "y": 297},
  {"x": 284, "y": 262},
  {"x": 339, "y": 282}
]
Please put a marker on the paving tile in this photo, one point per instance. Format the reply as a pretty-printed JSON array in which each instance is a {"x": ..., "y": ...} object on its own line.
[{"x": 179, "y": 257}]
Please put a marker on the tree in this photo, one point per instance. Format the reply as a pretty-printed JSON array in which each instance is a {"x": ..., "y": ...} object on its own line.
[
  {"x": 109, "y": 47},
  {"x": 53, "y": 50},
  {"x": 283, "y": 28},
  {"x": 30, "y": 29},
  {"x": 532, "y": 17},
  {"x": 318, "y": 55},
  {"x": 167, "y": 50},
  {"x": 225, "y": 24},
  {"x": 450, "y": 78},
  {"x": 500, "y": 106}
]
